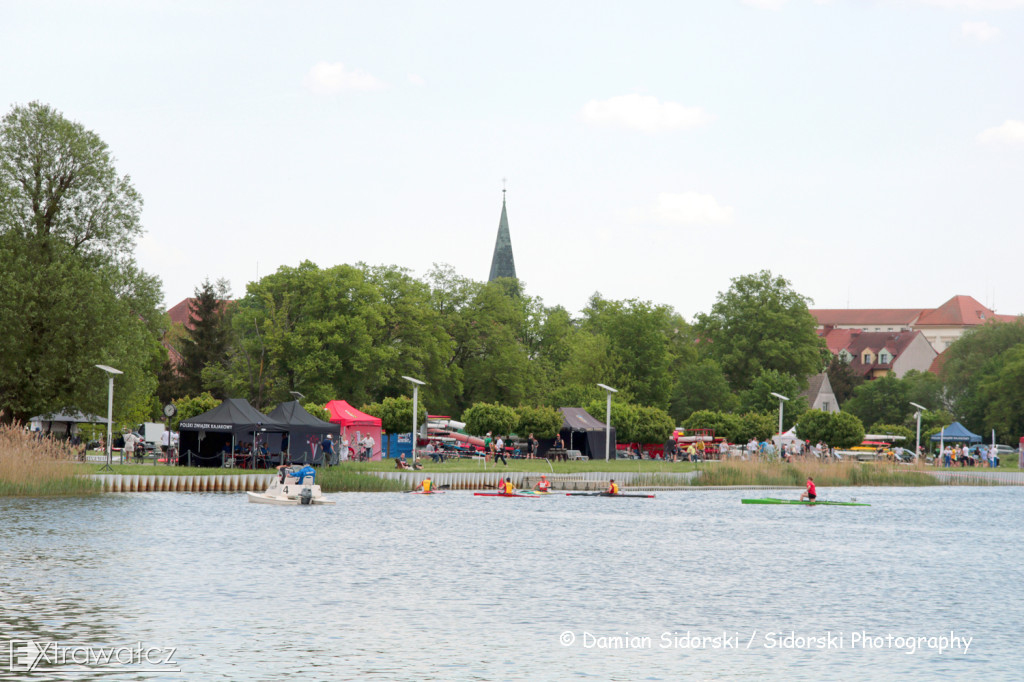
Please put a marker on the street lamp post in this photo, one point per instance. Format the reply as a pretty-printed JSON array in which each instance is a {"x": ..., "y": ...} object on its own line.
[
  {"x": 608, "y": 421},
  {"x": 782, "y": 400},
  {"x": 416, "y": 383},
  {"x": 920, "y": 409},
  {"x": 110, "y": 411}
]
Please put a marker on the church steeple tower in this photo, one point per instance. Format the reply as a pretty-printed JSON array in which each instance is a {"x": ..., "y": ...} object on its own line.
[{"x": 503, "y": 264}]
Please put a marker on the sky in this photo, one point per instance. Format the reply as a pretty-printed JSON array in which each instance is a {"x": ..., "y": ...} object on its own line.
[{"x": 870, "y": 151}]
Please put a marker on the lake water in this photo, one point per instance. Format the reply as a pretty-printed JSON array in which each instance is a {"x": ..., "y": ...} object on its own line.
[{"x": 457, "y": 587}]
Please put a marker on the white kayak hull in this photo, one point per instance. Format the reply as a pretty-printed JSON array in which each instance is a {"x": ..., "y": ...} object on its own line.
[{"x": 264, "y": 498}]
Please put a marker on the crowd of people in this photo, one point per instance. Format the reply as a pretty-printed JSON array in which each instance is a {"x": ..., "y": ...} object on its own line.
[{"x": 964, "y": 455}]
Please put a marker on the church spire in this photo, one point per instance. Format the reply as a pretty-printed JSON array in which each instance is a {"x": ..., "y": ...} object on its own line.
[{"x": 503, "y": 264}]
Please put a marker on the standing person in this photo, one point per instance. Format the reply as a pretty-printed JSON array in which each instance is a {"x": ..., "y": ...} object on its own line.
[
  {"x": 810, "y": 494},
  {"x": 345, "y": 448},
  {"x": 488, "y": 447},
  {"x": 499, "y": 451},
  {"x": 129, "y": 446},
  {"x": 371, "y": 443},
  {"x": 530, "y": 447},
  {"x": 559, "y": 443},
  {"x": 327, "y": 446}
]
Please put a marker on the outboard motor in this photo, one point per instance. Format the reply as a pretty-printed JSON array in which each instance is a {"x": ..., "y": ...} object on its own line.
[{"x": 306, "y": 496}]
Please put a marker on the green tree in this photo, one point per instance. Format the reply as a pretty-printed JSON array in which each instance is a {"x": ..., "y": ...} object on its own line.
[
  {"x": 483, "y": 417},
  {"x": 542, "y": 422},
  {"x": 842, "y": 379},
  {"x": 724, "y": 424},
  {"x": 882, "y": 400},
  {"x": 755, "y": 425},
  {"x": 975, "y": 360},
  {"x": 701, "y": 385},
  {"x": 395, "y": 415},
  {"x": 207, "y": 342},
  {"x": 192, "y": 406},
  {"x": 625, "y": 418},
  {"x": 1003, "y": 395},
  {"x": 654, "y": 425},
  {"x": 759, "y": 398},
  {"x": 761, "y": 324},
  {"x": 815, "y": 426},
  {"x": 71, "y": 296},
  {"x": 318, "y": 411},
  {"x": 847, "y": 430},
  {"x": 641, "y": 339}
]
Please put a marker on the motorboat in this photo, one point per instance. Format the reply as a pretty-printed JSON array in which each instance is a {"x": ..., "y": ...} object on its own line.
[{"x": 285, "y": 488}]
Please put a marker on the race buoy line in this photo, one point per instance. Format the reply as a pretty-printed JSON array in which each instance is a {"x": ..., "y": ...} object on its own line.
[{"x": 607, "y": 495}]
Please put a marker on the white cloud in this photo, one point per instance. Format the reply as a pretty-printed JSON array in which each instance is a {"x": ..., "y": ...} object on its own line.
[
  {"x": 979, "y": 30},
  {"x": 766, "y": 4},
  {"x": 327, "y": 79},
  {"x": 690, "y": 207},
  {"x": 417, "y": 80},
  {"x": 1011, "y": 131},
  {"x": 643, "y": 113}
]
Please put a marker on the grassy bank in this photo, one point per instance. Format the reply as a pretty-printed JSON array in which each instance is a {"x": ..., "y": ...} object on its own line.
[
  {"x": 824, "y": 475},
  {"x": 338, "y": 480},
  {"x": 38, "y": 467}
]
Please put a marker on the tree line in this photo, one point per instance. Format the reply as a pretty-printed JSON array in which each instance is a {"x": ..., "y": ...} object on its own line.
[{"x": 72, "y": 297}]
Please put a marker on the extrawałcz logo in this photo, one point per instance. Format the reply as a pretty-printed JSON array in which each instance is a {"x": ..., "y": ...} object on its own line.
[{"x": 27, "y": 655}]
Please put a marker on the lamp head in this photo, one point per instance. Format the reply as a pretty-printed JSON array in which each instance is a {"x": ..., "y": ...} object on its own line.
[
  {"x": 109, "y": 369},
  {"x": 780, "y": 396},
  {"x": 608, "y": 388},
  {"x": 415, "y": 381},
  {"x": 920, "y": 407}
]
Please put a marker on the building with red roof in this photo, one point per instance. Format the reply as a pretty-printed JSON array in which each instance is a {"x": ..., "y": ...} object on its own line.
[
  {"x": 876, "y": 354},
  {"x": 941, "y": 326}
]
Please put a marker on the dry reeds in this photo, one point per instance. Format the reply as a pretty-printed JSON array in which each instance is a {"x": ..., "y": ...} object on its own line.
[
  {"x": 824, "y": 474},
  {"x": 36, "y": 467}
]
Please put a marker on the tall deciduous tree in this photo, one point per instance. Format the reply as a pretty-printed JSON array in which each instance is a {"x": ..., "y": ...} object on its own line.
[
  {"x": 761, "y": 323},
  {"x": 71, "y": 296}
]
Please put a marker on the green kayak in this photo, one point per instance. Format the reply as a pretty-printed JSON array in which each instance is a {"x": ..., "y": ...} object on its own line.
[{"x": 772, "y": 500}]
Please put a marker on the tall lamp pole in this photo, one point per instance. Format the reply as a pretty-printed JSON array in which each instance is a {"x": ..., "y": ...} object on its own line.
[
  {"x": 920, "y": 409},
  {"x": 110, "y": 411},
  {"x": 782, "y": 401},
  {"x": 416, "y": 383},
  {"x": 608, "y": 421}
]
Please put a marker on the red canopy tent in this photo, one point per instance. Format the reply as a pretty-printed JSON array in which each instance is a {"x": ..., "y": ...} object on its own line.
[{"x": 355, "y": 426}]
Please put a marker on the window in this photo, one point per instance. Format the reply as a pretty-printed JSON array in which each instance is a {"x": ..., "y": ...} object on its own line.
[
  {"x": 883, "y": 358},
  {"x": 867, "y": 359},
  {"x": 824, "y": 406}
]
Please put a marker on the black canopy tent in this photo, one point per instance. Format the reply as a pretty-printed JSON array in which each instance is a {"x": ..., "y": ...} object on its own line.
[
  {"x": 203, "y": 438},
  {"x": 304, "y": 433},
  {"x": 580, "y": 431}
]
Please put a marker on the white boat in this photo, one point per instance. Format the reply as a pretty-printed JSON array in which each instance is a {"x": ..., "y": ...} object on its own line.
[{"x": 286, "y": 489}]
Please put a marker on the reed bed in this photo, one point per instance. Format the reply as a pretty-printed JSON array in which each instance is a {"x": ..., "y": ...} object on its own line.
[
  {"x": 38, "y": 467},
  {"x": 824, "y": 475},
  {"x": 337, "y": 480}
]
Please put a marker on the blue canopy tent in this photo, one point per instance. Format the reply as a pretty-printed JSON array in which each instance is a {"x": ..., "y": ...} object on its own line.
[{"x": 956, "y": 433}]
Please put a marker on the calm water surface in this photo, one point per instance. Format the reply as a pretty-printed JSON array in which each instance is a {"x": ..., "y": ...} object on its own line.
[{"x": 456, "y": 587}]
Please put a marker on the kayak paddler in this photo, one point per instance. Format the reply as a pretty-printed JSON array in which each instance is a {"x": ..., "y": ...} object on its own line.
[
  {"x": 426, "y": 485},
  {"x": 506, "y": 487},
  {"x": 613, "y": 488},
  {"x": 543, "y": 485},
  {"x": 810, "y": 493}
]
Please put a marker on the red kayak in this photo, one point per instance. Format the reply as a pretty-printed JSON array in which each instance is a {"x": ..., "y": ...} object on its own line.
[{"x": 503, "y": 495}]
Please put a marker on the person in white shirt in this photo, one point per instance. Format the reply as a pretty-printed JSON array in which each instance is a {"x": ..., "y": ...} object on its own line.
[{"x": 370, "y": 444}]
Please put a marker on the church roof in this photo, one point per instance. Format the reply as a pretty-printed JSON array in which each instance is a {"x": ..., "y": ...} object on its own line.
[{"x": 503, "y": 264}]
